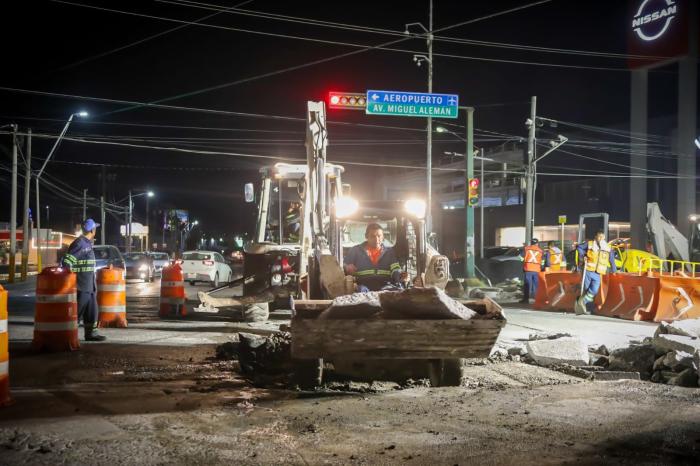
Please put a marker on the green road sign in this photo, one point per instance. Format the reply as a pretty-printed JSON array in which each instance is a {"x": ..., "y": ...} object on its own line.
[{"x": 412, "y": 104}]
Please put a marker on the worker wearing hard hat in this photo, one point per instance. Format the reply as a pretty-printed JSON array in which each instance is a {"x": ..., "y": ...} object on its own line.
[
  {"x": 598, "y": 257},
  {"x": 553, "y": 258},
  {"x": 532, "y": 264}
]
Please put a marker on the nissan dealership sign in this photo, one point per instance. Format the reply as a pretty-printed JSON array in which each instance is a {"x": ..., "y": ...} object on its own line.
[{"x": 653, "y": 18}]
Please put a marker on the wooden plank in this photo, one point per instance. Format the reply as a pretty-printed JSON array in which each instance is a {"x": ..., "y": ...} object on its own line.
[{"x": 394, "y": 338}]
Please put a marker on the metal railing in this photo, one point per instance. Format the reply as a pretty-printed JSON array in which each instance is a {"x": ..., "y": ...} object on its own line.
[{"x": 669, "y": 267}]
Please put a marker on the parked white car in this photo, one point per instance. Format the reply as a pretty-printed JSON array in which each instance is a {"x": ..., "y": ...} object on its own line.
[{"x": 205, "y": 266}]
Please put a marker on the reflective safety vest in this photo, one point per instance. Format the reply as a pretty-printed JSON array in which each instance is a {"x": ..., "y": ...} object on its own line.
[
  {"x": 80, "y": 258},
  {"x": 533, "y": 259},
  {"x": 555, "y": 258},
  {"x": 598, "y": 257},
  {"x": 374, "y": 276}
]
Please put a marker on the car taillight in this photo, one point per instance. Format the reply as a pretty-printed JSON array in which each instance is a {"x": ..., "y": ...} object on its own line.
[
  {"x": 208, "y": 262},
  {"x": 177, "y": 261}
]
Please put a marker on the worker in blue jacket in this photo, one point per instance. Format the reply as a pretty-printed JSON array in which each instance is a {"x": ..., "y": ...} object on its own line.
[
  {"x": 599, "y": 256},
  {"x": 373, "y": 264},
  {"x": 80, "y": 259}
]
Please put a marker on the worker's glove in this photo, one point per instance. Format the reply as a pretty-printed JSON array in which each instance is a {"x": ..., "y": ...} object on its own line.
[{"x": 350, "y": 269}]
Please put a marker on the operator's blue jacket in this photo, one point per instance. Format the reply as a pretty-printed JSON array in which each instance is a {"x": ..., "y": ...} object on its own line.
[
  {"x": 374, "y": 277},
  {"x": 80, "y": 258}
]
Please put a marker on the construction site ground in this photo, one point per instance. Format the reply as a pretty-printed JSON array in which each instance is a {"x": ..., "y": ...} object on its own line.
[{"x": 156, "y": 394}]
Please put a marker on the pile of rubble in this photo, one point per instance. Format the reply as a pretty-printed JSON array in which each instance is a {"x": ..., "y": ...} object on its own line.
[{"x": 671, "y": 356}]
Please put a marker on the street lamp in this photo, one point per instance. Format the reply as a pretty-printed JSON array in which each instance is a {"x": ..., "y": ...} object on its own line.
[
  {"x": 148, "y": 195},
  {"x": 82, "y": 114}
]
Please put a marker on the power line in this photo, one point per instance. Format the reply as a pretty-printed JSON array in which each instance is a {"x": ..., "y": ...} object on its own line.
[
  {"x": 145, "y": 39},
  {"x": 363, "y": 48},
  {"x": 358, "y": 28}
]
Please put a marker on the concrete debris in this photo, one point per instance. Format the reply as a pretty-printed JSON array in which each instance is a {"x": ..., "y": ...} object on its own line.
[
  {"x": 258, "y": 312},
  {"x": 547, "y": 336},
  {"x": 639, "y": 358},
  {"x": 353, "y": 306},
  {"x": 228, "y": 350},
  {"x": 666, "y": 342},
  {"x": 607, "y": 376},
  {"x": 499, "y": 354},
  {"x": 264, "y": 356},
  {"x": 685, "y": 328},
  {"x": 454, "y": 289},
  {"x": 423, "y": 303},
  {"x": 598, "y": 360},
  {"x": 678, "y": 360},
  {"x": 602, "y": 349},
  {"x": 565, "y": 350},
  {"x": 516, "y": 350},
  {"x": 686, "y": 378},
  {"x": 482, "y": 292}
]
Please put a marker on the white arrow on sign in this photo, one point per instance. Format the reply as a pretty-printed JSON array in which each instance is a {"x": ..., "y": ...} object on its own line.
[{"x": 375, "y": 96}]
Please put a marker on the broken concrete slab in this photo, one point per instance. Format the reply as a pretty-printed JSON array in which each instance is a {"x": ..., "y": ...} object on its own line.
[
  {"x": 686, "y": 378},
  {"x": 423, "y": 303},
  {"x": 638, "y": 358},
  {"x": 565, "y": 350},
  {"x": 353, "y": 306},
  {"x": 686, "y": 328},
  {"x": 602, "y": 349},
  {"x": 258, "y": 312},
  {"x": 678, "y": 360},
  {"x": 598, "y": 359},
  {"x": 607, "y": 376},
  {"x": 665, "y": 343},
  {"x": 547, "y": 336}
]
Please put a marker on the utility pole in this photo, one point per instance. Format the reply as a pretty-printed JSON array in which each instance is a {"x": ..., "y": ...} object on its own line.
[
  {"x": 469, "y": 269},
  {"x": 148, "y": 229},
  {"x": 482, "y": 187},
  {"x": 84, "y": 204},
  {"x": 530, "y": 173},
  {"x": 13, "y": 207},
  {"x": 128, "y": 227},
  {"x": 26, "y": 233},
  {"x": 102, "y": 220},
  {"x": 429, "y": 157}
]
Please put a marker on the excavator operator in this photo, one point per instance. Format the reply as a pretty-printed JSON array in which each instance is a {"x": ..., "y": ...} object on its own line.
[{"x": 373, "y": 264}]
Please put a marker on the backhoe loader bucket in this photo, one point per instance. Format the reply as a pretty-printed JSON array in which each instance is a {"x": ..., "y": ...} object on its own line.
[
  {"x": 679, "y": 298},
  {"x": 630, "y": 297}
]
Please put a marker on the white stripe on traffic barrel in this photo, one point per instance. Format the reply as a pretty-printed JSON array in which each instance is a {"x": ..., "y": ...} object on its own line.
[
  {"x": 4, "y": 367},
  {"x": 116, "y": 309},
  {"x": 106, "y": 287},
  {"x": 57, "y": 298},
  {"x": 55, "y": 326},
  {"x": 3, "y": 326}
]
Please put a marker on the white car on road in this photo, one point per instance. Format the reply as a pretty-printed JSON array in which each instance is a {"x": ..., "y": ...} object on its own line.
[{"x": 205, "y": 266}]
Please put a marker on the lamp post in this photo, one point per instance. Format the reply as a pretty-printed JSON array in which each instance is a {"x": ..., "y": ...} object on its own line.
[
  {"x": 129, "y": 215},
  {"x": 82, "y": 114}
]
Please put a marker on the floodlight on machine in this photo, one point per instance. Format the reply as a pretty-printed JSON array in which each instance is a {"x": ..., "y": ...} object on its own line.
[
  {"x": 415, "y": 207},
  {"x": 346, "y": 206}
]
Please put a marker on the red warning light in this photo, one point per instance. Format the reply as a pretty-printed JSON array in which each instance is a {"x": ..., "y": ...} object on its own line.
[
  {"x": 474, "y": 183},
  {"x": 347, "y": 100}
]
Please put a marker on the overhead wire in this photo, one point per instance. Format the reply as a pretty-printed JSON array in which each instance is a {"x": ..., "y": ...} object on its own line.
[{"x": 437, "y": 38}]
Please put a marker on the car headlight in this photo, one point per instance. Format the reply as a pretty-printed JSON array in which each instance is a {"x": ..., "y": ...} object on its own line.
[
  {"x": 415, "y": 207},
  {"x": 143, "y": 268},
  {"x": 345, "y": 206}
]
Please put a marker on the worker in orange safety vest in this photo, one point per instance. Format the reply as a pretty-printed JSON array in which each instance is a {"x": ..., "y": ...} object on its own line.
[
  {"x": 552, "y": 258},
  {"x": 532, "y": 264}
]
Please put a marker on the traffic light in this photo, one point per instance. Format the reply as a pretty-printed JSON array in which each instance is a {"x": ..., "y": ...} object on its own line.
[
  {"x": 473, "y": 191},
  {"x": 347, "y": 100}
]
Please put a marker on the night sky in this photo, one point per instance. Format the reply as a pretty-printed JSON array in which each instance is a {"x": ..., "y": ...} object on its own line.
[{"x": 56, "y": 46}]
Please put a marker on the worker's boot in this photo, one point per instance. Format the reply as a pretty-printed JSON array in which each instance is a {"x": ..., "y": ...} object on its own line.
[
  {"x": 92, "y": 335},
  {"x": 580, "y": 306}
]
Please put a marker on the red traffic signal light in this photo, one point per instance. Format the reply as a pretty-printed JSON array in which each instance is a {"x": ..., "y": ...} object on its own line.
[
  {"x": 347, "y": 100},
  {"x": 474, "y": 183}
]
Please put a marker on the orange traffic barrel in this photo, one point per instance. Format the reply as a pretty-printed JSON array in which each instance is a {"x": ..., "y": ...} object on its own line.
[
  {"x": 4, "y": 352},
  {"x": 56, "y": 311},
  {"x": 172, "y": 292},
  {"x": 111, "y": 297}
]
